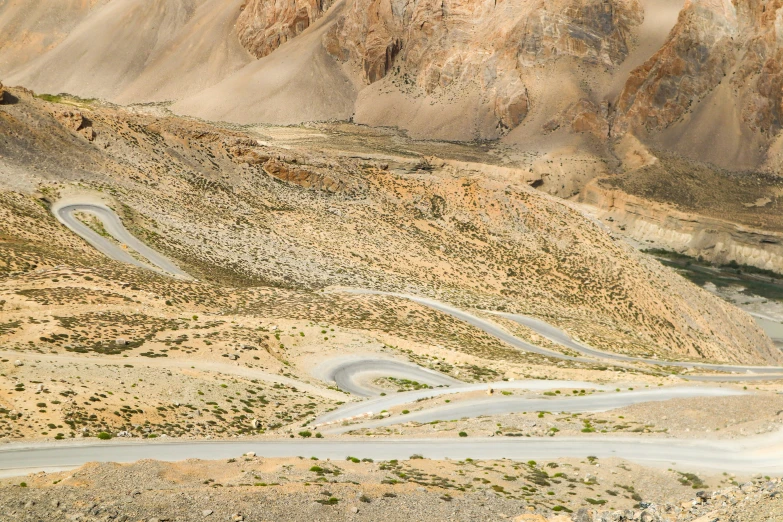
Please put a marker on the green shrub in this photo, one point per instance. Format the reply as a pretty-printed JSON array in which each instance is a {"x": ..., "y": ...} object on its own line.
[{"x": 104, "y": 436}]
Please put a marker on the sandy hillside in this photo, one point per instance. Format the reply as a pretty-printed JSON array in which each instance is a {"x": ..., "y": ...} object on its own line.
[{"x": 139, "y": 51}]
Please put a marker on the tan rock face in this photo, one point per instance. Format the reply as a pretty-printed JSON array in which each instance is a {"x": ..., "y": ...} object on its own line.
[
  {"x": 305, "y": 177},
  {"x": 75, "y": 121},
  {"x": 479, "y": 43},
  {"x": 739, "y": 42},
  {"x": 2, "y": 93},
  {"x": 264, "y": 25}
]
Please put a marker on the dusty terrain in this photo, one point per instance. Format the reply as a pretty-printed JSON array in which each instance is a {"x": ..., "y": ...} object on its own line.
[{"x": 251, "y": 488}]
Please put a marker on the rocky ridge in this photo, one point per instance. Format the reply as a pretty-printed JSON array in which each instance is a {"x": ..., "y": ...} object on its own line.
[{"x": 485, "y": 45}]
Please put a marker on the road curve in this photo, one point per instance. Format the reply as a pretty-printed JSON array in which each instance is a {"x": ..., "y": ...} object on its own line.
[
  {"x": 348, "y": 374},
  {"x": 113, "y": 225},
  {"x": 560, "y": 337},
  {"x": 756, "y": 455},
  {"x": 501, "y": 405},
  {"x": 376, "y": 406}
]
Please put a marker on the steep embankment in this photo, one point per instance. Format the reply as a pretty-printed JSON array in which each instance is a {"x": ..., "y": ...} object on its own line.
[{"x": 659, "y": 225}]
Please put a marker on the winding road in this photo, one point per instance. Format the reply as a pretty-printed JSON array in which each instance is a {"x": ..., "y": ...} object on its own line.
[
  {"x": 560, "y": 337},
  {"x": 759, "y": 454},
  {"x": 398, "y": 399},
  {"x": 64, "y": 212},
  {"x": 501, "y": 405},
  {"x": 351, "y": 374},
  {"x": 111, "y": 222}
]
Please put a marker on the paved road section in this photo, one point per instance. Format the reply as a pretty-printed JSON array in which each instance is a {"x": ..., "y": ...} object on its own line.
[
  {"x": 113, "y": 225},
  {"x": 756, "y": 455},
  {"x": 560, "y": 337},
  {"x": 502, "y": 405},
  {"x": 352, "y": 374},
  {"x": 376, "y": 406}
]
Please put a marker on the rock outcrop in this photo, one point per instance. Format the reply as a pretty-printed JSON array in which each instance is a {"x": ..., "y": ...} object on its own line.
[
  {"x": 75, "y": 121},
  {"x": 459, "y": 44},
  {"x": 2, "y": 94},
  {"x": 265, "y": 25},
  {"x": 661, "y": 226},
  {"x": 722, "y": 66},
  {"x": 304, "y": 177}
]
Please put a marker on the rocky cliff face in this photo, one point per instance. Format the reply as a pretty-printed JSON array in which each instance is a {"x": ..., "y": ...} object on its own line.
[
  {"x": 264, "y": 25},
  {"x": 723, "y": 56},
  {"x": 432, "y": 46}
]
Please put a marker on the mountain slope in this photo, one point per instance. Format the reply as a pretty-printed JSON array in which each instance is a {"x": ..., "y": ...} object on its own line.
[
  {"x": 141, "y": 50},
  {"x": 298, "y": 82},
  {"x": 231, "y": 208}
]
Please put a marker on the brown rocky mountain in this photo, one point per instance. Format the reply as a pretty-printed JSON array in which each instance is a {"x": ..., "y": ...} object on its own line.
[
  {"x": 679, "y": 77},
  {"x": 264, "y": 26},
  {"x": 719, "y": 71}
]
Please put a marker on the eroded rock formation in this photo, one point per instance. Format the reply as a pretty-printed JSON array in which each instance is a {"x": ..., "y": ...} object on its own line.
[
  {"x": 75, "y": 121},
  {"x": 739, "y": 42},
  {"x": 434, "y": 45},
  {"x": 305, "y": 177},
  {"x": 264, "y": 25}
]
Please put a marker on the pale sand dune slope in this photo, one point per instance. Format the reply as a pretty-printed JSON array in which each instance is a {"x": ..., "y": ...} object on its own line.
[
  {"x": 204, "y": 52},
  {"x": 141, "y": 50},
  {"x": 299, "y": 82},
  {"x": 29, "y": 28}
]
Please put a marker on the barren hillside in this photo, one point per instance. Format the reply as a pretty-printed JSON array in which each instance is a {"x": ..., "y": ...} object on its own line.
[{"x": 234, "y": 210}]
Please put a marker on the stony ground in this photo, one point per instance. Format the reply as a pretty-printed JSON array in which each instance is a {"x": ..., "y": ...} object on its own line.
[{"x": 260, "y": 489}]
